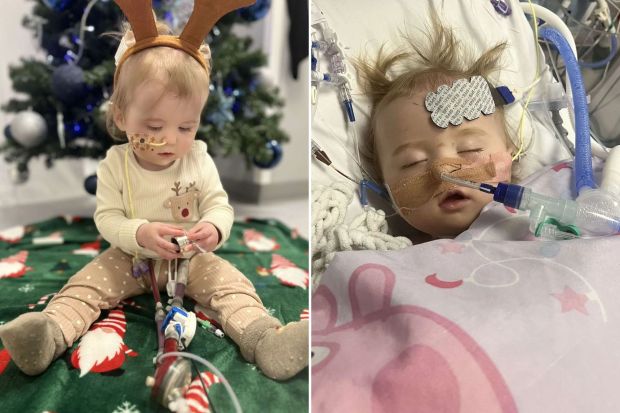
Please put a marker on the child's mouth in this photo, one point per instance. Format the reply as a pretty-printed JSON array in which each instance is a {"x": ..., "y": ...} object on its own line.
[
  {"x": 453, "y": 200},
  {"x": 166, "y": 154}
]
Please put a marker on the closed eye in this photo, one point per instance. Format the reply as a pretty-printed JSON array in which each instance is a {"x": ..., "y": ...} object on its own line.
[
  {"x": 412, "y": 164},
  {"x": 154, "y": 128},
  {"x": 472, "y": 150},
  {"x": 185, "y": 129}
]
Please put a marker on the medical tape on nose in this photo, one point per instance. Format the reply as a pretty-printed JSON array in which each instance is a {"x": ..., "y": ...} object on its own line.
[
  {"x": 464, "y": 99},
  {"x": 145, "y": 142},
  {"x": 414, "y": 191}
]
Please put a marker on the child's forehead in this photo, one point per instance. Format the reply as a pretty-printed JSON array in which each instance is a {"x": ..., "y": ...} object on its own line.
[
  {"x": 406, "y": 118},
  {"x": 151, "y": 94}
]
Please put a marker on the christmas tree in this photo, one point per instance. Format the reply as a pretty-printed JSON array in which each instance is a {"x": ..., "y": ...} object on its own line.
[{"x": 61, "y": 112}]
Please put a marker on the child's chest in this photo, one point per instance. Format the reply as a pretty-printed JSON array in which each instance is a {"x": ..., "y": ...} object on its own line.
[{"x": 170, "y": 198}]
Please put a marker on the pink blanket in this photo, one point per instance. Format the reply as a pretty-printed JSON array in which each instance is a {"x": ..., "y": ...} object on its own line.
[{"x": 492, "y": 321}]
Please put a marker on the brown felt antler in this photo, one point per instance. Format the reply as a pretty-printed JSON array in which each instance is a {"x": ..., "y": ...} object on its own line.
[
  {"x": 140, "y": 16},
  {"x": 204, "y": 16},
  {"x": 206, "y": 13}
]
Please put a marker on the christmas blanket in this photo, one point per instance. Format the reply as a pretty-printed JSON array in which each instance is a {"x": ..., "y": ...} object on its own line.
[
  {"x": 493, "y": 321},
  {"x": 36, "y": 260}
]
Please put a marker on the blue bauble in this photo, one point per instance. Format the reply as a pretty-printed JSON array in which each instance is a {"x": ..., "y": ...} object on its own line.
[
  {"x": 58, "y": 5},
  {"x": 256, "y": 11},
  {"x": 76, "y": 128},
  {"x": 276, "y": 149},
  {"x": 237, "y": 107},
  {"x": 7, "y": 133},
  {"x": 90, "y": 184},
  {"x": 68, "y": 83}
]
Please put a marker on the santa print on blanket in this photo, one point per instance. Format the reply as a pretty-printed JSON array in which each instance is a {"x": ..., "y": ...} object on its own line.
[
  {"x": 14, "y": 266},
  {"x": 102, "y": 348},
  {"x": 257, "y": 241},
  {"x": 288, "y": 273}
]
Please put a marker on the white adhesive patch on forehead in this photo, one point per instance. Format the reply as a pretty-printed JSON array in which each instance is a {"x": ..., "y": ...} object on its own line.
[{"x": 464, "y": 99}]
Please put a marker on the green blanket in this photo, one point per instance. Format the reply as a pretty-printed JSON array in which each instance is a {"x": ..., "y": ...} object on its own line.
[{"x": 29, "y": 273}]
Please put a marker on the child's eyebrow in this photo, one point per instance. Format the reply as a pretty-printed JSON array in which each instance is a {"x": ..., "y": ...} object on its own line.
[
  {"x": 471, "y": 131},
  {"x": 192, "y": 121},
  {"x": 410, "y": 144}
]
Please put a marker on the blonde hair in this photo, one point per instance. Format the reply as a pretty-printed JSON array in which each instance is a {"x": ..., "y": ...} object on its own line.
[
  {"x": 442, "y": 59},
  {"x": 180, "y": 73}
]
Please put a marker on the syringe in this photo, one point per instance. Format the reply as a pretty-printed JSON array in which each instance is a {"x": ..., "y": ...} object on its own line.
[{"x": 593, "y": 219}]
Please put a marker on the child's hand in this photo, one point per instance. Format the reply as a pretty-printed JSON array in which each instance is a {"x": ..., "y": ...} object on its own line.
[
  {"x": 151, "y": 237},
  {"x": 205, "y": 235}
]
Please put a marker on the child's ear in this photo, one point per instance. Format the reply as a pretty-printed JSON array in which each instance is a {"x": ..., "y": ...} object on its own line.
[{"x": 119, "y": 119}]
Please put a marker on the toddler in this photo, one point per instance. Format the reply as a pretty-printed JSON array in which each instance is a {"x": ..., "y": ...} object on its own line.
[
  {"x": 161, "y": 184},
  {"x": 439, "y": 115}
]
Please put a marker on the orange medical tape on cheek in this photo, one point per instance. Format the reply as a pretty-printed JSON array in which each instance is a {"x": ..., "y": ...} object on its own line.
[
  {"x": 144, "y": 141},
  {"x": 412, "y": 192}
]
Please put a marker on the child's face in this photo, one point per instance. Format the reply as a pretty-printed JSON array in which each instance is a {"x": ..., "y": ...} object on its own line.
[
  {"x": 166, "y": 116},
  {"x": 407, "y": 142}
]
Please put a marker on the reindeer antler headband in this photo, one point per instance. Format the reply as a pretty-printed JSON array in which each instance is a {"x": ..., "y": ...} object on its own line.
[{"x": 204, "y": 16}]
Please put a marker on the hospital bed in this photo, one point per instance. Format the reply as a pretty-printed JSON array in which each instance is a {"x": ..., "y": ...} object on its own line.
[{"x": 494, "y": 320}]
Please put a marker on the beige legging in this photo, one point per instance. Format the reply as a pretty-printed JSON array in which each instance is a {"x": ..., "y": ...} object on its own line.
[{"x": 213, "y": 283}]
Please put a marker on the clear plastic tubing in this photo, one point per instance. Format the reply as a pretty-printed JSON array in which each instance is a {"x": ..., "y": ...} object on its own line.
[{"x": 594, "y": 219}]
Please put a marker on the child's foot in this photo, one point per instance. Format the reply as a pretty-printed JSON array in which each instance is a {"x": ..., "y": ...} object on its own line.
[
  {"x": 33, "y": 340},
  {"x": 279, "y": 351}
]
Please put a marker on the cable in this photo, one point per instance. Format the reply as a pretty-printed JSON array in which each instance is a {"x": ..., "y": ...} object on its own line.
[
  {"x": 210, "y": 366},
  {"x": 607, "y": 60},
  {"x": 536, "y": 80},
  {"x": 204, "y": 387},
  {"x": 320, "y": 155},
  {"x": 357, "y": 160},
  {"x": 83, "y": 28},
  {"x": 133, "y": 213}
]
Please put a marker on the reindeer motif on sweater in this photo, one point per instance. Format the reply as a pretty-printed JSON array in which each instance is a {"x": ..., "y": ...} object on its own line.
[{"x": 183, "y": 206}]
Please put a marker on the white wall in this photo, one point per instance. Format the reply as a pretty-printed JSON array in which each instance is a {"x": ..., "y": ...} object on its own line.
[
  {"x": 60, "y": 183},
  {"x": 60, "y": 189}
]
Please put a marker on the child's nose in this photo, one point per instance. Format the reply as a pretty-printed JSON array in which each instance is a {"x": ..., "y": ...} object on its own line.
[
  {"x": 171, "y": 138},
  {"x": 445, "y": 151},
  {"x": 448, "y": 168}
]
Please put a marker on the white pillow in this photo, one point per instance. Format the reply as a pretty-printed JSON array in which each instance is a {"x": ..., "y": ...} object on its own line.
[{"x": 362, "y": 26}]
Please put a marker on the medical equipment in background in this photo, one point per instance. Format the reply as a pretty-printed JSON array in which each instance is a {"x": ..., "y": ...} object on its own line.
[
  {"x": 590, "y": 28},
  {"x": 554, "y": 218},
  {"x": 336, "y": 75},
  {"x": 592, "y": 25},
  {"x": 595, "y": 209}
]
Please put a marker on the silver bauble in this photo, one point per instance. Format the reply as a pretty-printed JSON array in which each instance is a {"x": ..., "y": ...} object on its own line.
[{"x": 28, "y": 128}]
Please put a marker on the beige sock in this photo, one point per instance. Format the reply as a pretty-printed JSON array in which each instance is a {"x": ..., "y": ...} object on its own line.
[
  {"x": 33, "y": 340},
  {"x": 279, "y": 351}
]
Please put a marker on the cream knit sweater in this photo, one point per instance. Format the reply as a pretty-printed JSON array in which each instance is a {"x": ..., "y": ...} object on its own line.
[{"x": 183, "y": 194}]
